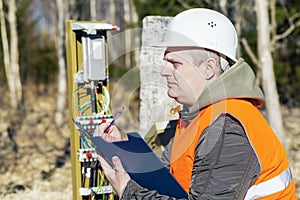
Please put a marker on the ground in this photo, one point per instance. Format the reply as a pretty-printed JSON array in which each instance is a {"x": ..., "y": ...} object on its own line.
[{"x": 35, "y": 153}]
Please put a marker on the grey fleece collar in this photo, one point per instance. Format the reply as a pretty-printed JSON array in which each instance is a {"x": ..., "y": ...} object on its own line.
[{"x": 237, "y": 82}]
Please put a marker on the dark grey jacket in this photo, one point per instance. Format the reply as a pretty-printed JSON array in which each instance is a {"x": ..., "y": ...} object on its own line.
[{"x": 225, "y": 165}]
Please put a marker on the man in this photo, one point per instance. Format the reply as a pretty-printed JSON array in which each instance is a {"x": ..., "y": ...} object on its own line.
[{"x": 223, "y": 148}]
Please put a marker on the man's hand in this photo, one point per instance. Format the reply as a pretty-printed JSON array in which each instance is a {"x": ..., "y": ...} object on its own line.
[
  {"x": 116, "y": 175},
  {"x": 112, "y": 134}
]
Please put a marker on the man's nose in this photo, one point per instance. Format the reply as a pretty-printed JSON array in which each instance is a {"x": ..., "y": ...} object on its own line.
[{"x": 165, "y": 71}]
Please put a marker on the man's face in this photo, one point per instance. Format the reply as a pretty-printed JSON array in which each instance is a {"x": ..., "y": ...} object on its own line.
[{"x": 184, "y": 80}]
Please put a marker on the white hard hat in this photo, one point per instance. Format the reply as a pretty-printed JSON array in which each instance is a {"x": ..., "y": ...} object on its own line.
[{"x": 200, "y": 27}]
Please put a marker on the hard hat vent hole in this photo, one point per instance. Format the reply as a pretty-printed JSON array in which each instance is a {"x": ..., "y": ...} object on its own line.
[{"x": 212, "y": 24}]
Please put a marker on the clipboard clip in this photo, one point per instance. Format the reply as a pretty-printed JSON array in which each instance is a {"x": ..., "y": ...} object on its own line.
[
  {"x": 86, "y": 134},
  {"x": 82, "y": 130}
]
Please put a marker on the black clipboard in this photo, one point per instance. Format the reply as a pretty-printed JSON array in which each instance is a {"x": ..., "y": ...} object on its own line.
[{"x": 140, "y": 162}]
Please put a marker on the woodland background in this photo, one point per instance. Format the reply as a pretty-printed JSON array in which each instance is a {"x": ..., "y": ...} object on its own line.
[{"x": 34, "y": 136}]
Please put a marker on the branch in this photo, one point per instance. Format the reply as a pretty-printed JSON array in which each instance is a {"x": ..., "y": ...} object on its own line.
[
  {"x": 286, "y": 33},
  {"x": 289, "y": 30},
  {"x": 273, "y": 24},
  {"x": 250, "y": 52},
  {"x": 294, "y": 17}
]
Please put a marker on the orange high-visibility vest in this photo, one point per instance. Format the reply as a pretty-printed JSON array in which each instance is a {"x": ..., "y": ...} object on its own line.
[{"x": 275, "y": 180}]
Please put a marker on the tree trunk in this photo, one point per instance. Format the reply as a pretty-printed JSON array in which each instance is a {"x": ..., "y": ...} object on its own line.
[
  {"x": 238, "y": 22},
  {"x": 93, "y": 10},
  {"x": 266, "y": 62},
  {"x": 6, "y": 58},
  {"x": 11, "y": 58},
  {"x": 132, "y": 40},
  {"x": 62, "y": 82},
  {"x": 14, "y": 51},
  {"x": 137, "y": 40}
]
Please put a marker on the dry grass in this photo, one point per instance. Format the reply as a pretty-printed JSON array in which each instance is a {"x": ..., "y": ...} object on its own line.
[
  {"x": 39, "y": 167},
  {"x": 34, "y": 166}
]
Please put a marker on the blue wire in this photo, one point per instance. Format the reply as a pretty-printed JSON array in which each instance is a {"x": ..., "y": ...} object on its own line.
[{"x": 82, "y": 142}]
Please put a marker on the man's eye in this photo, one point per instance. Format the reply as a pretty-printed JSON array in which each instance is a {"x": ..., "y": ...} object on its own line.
[
  {"x": 176, "y": 64},
  {"x": 173, "y": 62}
]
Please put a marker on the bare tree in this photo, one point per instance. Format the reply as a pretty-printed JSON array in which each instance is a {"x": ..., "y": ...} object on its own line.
[
  {"x": 6, "y": 57},
  {"x": 62, "y": 82},
  {"x": 132, "y": 39},
  {"x": 268, "y": 37},
  {"x": 11, "y": 53},
  {"x": 93, "y": 9},
  {"x": 238, "y": 21},
  {"x": 266, "y": 63}
]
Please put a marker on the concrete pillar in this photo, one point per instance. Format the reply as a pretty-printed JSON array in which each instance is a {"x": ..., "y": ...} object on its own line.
[{"x": 155, "y": 105}]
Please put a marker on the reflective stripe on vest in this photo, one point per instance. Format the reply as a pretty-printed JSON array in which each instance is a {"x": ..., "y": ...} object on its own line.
[{"x": 266, "y": 188}]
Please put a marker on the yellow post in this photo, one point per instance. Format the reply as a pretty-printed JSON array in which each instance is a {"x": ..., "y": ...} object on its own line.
[
  {"x": 72, "y": 67},
  {"x": 77, "y": 54}
]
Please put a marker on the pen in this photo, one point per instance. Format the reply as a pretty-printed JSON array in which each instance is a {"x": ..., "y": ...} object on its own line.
[{"x": 115, "y": 118}]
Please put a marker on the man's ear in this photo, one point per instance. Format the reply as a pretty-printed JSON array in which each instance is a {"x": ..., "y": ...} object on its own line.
[{"x": 210, "y": 69}]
